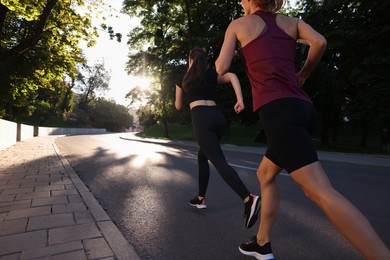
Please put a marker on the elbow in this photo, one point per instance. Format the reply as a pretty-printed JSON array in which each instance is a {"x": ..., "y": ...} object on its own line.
[
  {"x": 321, "y": 43},
  {"x": 178, "y": 105},
  {"x": 220, "y": 68}
]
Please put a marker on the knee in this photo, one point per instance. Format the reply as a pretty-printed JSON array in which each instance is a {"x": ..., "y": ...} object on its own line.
[
  {"x": 264, "y": 175},
  {"x": 319, "y": 195}
]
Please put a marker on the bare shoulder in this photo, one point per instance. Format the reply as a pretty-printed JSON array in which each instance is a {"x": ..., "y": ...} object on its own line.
[
  {"x": 288, "y": 24},
  {"x": 239, "y": 22}
]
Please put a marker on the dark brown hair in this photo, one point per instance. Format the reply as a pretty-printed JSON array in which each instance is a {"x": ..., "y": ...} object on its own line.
[
  {"x": 195, "y": 73},
  {"x": 270, "y": 5}
]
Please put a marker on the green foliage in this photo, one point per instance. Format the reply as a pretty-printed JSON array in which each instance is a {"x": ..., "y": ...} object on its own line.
[
  {"x": 39, "y": 44},
  {"x": 160, "y": 46},
  {"x": 109, "y": 115},
  {"x": 146, "y": 116},
  {"x": 356, "y": 82},
  {"x": 92, "y": 81}
]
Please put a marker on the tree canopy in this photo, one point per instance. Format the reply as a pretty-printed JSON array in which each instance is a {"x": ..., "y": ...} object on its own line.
[
  {"x": 39, "y": 45},
  {"x": 40, "y": 55},
  {"x": 349, "y": 85}
]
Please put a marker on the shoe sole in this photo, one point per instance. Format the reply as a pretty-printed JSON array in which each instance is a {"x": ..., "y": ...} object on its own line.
[
  {"x": 199, "y": 206},
  {"x": 257, "y": 255},
  {"x": 255, "y": 212}
]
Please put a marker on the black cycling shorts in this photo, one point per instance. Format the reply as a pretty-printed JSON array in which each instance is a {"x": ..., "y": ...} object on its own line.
[{"x": 288, "y": 124}]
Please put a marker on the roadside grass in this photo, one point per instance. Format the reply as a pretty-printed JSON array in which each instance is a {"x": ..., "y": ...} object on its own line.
[{"x": 348, "y": 140}]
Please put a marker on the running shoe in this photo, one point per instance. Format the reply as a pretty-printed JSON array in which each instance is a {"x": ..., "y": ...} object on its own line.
[
  {"x": 251, "y": 248},
  {"x": 251, "y": 211},
  {"x": 200, "y": 204}
]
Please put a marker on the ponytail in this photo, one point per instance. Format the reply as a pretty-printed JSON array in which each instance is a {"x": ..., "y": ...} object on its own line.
[
  {"x": 195, "y": 72},
  {"x": 272, "y": 6}
]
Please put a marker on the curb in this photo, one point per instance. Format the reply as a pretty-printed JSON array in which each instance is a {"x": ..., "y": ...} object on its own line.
[{"x": 119, "y": 245}]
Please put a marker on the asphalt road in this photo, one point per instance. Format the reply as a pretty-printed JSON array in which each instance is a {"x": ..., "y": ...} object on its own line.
[{"x": 145, "y": 189}]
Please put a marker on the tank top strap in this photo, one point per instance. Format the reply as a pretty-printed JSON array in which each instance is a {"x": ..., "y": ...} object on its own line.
[{"x": 268, "y": 18}]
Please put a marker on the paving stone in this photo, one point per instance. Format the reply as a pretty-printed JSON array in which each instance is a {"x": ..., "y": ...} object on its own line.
[
  {"x": 74, "y": 198},
  {"x": 72, "y": 233},
  {"x": 121, "y": 247},
  {"x": 31, "y": 175},
  {"x": 49, "y": 201},
  {"x": 10, "y": 257},
  {"x": 71, "y": 207},
  {"x": 19, "y": 181},
  {"x": 41, "y": 194},
  {"x": 97, "y": 248},
  {"x": 8, "y": 186},
  {"x": 50, "y": 221},
  {"x": 34, "y": 184},
  {"x": 62, "y": 182},
  {"x": 24, "y": 241},
  {"x": 63, "y": 192},
  {"x": 50, "y": 188},
  {"x": 46, "y": 211},
  {"x": 80, "y": 185},
  {"x": 83, "y": 217},
  {"x": 13, "y": 226},
  {"x": 96, "y": 209},
  {"x": 56, "y": 177},
  {"x": 4, "y": 198},
  {"x": 52, "y": 250},
  {"x": 77, "y": 255},
  {"x": 17, "y": 191},
  {"x": 29, "y": 212},
  {"x": 13, "y": 205}
]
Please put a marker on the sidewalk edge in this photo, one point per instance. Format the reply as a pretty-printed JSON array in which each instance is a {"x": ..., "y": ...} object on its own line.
[{"x": 119, "y": 245}]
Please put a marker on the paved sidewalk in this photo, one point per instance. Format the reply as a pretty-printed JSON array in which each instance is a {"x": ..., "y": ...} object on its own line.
[{"x": 46, "y": 212}]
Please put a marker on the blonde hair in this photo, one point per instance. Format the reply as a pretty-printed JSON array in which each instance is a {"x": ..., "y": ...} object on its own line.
[{"x": 270, "y": 5}]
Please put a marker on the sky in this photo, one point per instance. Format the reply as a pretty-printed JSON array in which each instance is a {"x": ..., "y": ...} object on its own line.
[{"x": 114, "y": 54}]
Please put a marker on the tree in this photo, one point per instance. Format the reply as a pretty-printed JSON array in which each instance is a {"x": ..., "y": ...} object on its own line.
[
  {"x": 358, "y": 57},
  {"x": 39, "y": 45},
  {"x": 109, "y": 115},
  {"x": 160, "y": 30},
  {"x": 92, "y": 80},
  {"x": 170, "y": 29}
]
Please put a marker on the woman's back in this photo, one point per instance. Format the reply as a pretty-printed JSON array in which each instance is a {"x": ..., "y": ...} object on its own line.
[
  {"x": 270, "y": 59},
  {"x": 251, "y": 26}
]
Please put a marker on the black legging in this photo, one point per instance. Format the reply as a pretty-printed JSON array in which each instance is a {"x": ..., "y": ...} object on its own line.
[{"x": 209, "y": 125}]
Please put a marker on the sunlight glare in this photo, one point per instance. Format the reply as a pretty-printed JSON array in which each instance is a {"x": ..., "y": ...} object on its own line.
[{"x": 142, "y": 82}]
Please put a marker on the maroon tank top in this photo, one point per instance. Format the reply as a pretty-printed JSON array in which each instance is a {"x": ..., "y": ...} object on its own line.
[{"x": 270, "y": 64}]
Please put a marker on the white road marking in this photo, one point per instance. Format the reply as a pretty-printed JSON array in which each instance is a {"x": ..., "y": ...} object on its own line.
[{"x": 240, "y": 166}]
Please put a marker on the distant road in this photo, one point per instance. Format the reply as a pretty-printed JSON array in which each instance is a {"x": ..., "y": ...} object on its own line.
[{"x": 145, "y": 189}]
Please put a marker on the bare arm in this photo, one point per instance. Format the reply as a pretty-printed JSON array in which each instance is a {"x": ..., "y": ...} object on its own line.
[
  {"x": 179, "y": 98},
  {"x": 317, "y": 44},
  {"x": 224, "y": 60},
  {"x": 232, "y": 78}
]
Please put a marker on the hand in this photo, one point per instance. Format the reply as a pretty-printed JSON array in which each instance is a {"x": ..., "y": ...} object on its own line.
[{"x": 238, "y": 107}]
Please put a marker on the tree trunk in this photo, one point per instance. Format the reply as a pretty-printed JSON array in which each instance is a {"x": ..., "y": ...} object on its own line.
[
  {"x": 165, "y": 128},
  {"x": 29, "y": 43}
]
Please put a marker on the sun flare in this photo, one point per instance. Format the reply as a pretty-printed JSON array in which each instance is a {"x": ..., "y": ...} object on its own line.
[{"x": 141, "y": 82}]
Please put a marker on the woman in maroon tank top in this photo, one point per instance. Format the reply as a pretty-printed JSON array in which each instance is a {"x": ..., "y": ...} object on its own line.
[{"x": 268, "y": 44}]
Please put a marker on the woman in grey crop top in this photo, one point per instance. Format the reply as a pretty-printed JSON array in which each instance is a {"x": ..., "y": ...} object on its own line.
[
  {"x": 209, "y": 125},
  {"x": 268, "y": 42}
]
